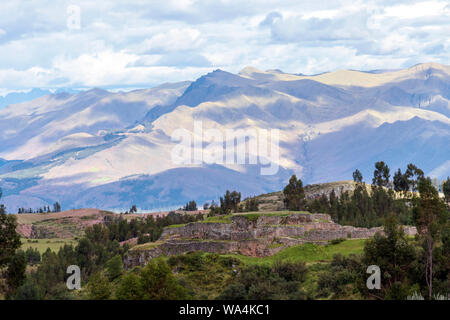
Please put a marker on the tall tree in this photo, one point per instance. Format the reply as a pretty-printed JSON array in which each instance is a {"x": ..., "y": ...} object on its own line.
[
  {"x": 159, "y": 283},
  {"x": 16, "y": 271},
  {"x": 400, "y": 181},
  {"x": 9, "y": 238},
  {"x": 446, "y": 189},
  {"x": 394, "y": 255},
  {"x": 357, "y": 176},
  {"x": 381, "y": 175},
  {"x": 230, "y": 201},
  {"x": 235, "y": 199},
  {"x": 294, "y": 194},
  {"x": 56, "y": 207},
  {"x": 430, "y": 216},
  {"x": 413, "y": 175}
]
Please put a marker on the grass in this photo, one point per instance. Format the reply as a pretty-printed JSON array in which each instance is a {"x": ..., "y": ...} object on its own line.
[
  {"x": 176, "y": 225},
  {"x": 147, "y": 246},
  {"x": 43, "y": 244},
  {"x": 252, "y": 216},
  {"x": 218, "y": 219},
  {"x": 308, "y": 252}
]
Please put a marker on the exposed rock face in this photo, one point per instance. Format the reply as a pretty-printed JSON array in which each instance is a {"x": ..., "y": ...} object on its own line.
[{"x": 262, "y": 237}]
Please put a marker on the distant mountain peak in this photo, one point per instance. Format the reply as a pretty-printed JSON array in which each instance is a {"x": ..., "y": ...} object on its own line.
[{"x": 248, "y": 70}]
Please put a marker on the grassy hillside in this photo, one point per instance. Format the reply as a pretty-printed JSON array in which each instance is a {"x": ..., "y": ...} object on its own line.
[
  {"x": 42, "y": 244},
  {"x": 309, "y": 253}
]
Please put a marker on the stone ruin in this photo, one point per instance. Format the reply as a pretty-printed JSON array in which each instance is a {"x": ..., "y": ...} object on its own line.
[{"x": 264, "y": 236}]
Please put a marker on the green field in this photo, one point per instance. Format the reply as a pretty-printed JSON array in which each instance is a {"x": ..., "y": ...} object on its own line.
[
  {"x": 309, "y": 253},
  {"x": 43, "y": 244}
]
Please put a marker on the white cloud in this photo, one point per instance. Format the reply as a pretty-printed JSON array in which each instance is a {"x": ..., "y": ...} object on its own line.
[
  {"x": 178, "y": 39},
  {"x": 145, "y": 43},
  {"x": 416, "y": 10}
]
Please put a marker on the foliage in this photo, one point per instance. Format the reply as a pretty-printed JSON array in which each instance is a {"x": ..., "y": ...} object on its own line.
[
  {"x": 154, "y": 282},
  {"x": 362, "y": 209},
  {"x": 340, "y": 277},
  {"x": 204, "y": 275},
  {"x": 381, "y": 175},
  {"x": 129, "y": 288},
  {"x": 395, "y": 256},
  {"x": 251, "y": 204},
  {"x": 15, "y": 274},
  {"x": 9, "y": 238},
  {"x": 28, "y": 291},
  {"x": 99, "y": 288},
  {"x": 283, "y": 281},
  {"x": 357, "y": 176},
  {"x": 191, "y": 206},
  {"x": 32, "y": 256},
  {"x": 446, "y": 189},
  {"x": 431, "y": 217},
  {"x": 148, "y": 229},
  {"x": 294, "y": 194},
  {"x": 114, "y": 267}
]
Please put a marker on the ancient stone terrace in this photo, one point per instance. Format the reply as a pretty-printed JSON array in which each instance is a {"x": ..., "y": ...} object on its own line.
[{"x": 252, "y": 235}]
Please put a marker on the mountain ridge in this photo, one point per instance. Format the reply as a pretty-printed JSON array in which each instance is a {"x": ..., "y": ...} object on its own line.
[{"x": 91, "y": 141}]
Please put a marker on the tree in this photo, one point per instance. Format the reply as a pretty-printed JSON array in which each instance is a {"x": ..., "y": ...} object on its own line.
[
  {"x": 281, "y": 281},
  {"x": 130, "y": 288},
  {"x": 251, "y": 204},
  {"x": 381, "y": 175},
  {"x": 294, "y": 194},
  {"x": 114, "y": 267},
  {"x": 430, "y": 217},
  {"x": 99, "y": 287},
  {"x": 133, "y": 209},
  {"x": 15, "y": 274},
  {"x": 33, "y": 256},
  {"x": 9, "y": 238},
  {"x": 413, "y": 175},
  {"x": 159, "y": 283},
  {"x": 229, "y": 202},
  {"x": 56, "y": 207},
  {"x": 357, "y": 176},
  {"x": 191, "y": 206},
  {"x": 400, "y": 182},
  {"x": 394, "y": 255},
  {"x": 28, "y": 291},
  {"x": 446, "y": 189},
  {"x": 235, "y": 199}
]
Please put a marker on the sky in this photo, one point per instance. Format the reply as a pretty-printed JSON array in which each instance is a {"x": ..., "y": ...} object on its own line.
[{"x": 137, "y": 43}]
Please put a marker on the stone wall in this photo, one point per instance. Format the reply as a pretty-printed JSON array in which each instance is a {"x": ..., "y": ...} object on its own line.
[
  {"x": 265, "y": 236},
  {"x": 253, "y": 247}
]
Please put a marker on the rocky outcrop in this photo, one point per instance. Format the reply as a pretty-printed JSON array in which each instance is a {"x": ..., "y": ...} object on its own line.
[{"x": 264, "y": 236}]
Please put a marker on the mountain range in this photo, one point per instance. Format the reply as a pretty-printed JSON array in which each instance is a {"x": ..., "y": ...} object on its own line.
[{"x": 111, "y": 150}]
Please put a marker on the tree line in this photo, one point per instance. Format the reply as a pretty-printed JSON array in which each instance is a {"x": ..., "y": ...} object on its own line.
[
  {"x": 45, "y": 209},
  {"x": 366, "y": 206}
]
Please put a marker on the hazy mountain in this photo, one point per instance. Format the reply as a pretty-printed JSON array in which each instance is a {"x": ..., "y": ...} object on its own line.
[{"x": 111, "y": 150}]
